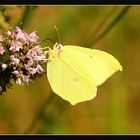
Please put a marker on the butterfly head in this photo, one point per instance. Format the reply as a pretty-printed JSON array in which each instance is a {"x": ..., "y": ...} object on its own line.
[
  {"x": 58, "y": 48},
  {"x": 55, "y": 53}
]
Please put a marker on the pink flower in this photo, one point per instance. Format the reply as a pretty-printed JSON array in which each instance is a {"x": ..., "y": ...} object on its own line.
[
  {"x": 29, "y": 65},
  {"x": 31, "y": 54},
  {"x": 11, "y": 34},
  {"x": 39, "y": 58},
  {"x": 25, "y": 78},
  {"x": 15, "y": 46},
  {"x": 18, "y": 81},
  {"x": 23, "y": 57},
  {"x": 18, "y": 30},
  {"x": 38, "y": 70},
  {"x": 22, "y": 79},
  {"x": 35, "y": 54},
  {"x": 15, "y": 72},
  {"x": 37, "y": 49},
  {"x": 2, "y": 50},
  {"x": 33, "y": 37},
  {"x": 14, "y": 60},
  {"x": 20, "y": 34},
  {"x": 4, "y": 66}
]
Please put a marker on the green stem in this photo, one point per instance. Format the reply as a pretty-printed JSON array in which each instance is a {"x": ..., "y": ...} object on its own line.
[
  {"x": 40, "y": 113},
  {"x": 110, "y": 26},
  {"x": 98, "y": 29},
  {"x": 27, "y": 15}
]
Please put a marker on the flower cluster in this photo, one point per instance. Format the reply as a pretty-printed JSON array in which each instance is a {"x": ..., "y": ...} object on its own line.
[{"x": 21, "y": 58}]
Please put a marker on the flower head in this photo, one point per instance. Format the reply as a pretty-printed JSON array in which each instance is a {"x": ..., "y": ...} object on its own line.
[{"x": 24, "y": 57}]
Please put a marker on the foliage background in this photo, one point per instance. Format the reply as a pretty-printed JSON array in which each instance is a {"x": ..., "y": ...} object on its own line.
[{"x": 115, "y": 110}]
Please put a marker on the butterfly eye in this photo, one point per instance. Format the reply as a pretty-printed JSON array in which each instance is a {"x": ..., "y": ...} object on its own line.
[{"x": 59, "y": 46}]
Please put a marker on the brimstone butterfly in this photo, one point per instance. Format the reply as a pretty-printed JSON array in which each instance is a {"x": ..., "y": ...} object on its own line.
[{"x": 74, "y": 72}]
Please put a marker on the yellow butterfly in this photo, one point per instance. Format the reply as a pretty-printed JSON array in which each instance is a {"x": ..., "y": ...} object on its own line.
[{"x": 74, "y": 72}]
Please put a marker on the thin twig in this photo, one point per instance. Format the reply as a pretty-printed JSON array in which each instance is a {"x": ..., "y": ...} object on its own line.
[
  {"x": 111, "y": 25},
  {"x": 99, "y": 27},
  {"x": 27, "y": 16},
  {"x": 39, "y": 114}
]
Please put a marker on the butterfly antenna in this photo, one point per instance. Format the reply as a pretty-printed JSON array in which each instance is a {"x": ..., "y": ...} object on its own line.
[{"x": 59, "y": 41}]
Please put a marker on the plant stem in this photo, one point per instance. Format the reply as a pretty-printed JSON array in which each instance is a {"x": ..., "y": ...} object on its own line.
[
  {"x": 40, "y": 113},
  {"x": 110, "y": 26},
  {"x": 99, "y": 27},
  {"x": 27, "y": 16}
]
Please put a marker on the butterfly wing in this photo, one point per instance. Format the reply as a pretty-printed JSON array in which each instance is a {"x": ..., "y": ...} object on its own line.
[
  {"x": 94, "y": 64},
  {"x": 68, "y": 83}
]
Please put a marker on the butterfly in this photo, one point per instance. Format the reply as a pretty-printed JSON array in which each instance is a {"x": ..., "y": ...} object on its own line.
[{"x": 74, "y": 72}]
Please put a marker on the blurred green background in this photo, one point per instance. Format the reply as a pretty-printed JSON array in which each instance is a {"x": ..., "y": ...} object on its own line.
[{"x": 115, "y": 109}]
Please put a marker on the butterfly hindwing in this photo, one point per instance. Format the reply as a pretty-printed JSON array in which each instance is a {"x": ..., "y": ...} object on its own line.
[{"x": 69, "y": 84}]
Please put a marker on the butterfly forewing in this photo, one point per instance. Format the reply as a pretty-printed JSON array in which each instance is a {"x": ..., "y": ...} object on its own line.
[{"x": 94, "y": 64}]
